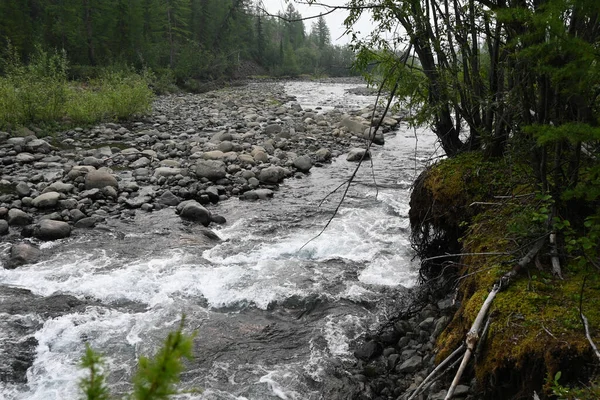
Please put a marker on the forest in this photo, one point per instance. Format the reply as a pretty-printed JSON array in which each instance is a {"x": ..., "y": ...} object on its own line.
[{"x": 183, "y": 39}]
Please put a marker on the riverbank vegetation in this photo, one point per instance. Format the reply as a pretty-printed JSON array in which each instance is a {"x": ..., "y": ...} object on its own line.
[
  {"x": 512, "y": 90},
  {"x": 80, "y": 62}
]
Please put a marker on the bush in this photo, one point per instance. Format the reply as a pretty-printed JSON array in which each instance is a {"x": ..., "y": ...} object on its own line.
[{"x": 40, "y": 92}]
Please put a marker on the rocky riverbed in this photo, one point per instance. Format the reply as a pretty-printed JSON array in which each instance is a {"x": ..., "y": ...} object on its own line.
[{"x": 193, "y": 153}]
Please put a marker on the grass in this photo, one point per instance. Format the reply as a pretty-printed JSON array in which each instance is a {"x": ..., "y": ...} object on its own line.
[{"x": 40, "y": 93}]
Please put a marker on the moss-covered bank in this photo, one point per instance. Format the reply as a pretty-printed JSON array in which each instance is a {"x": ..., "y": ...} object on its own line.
[{"x": 491, "y": 213}]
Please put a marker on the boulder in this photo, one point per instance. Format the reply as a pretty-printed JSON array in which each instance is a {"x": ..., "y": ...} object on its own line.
[
  {"x": 48, "y": 229},
  {"x": 3, "y": 227},
  {"x": 193, "y": 211},
  {"x": 323, "y": 155},
  {"x": 368, "y": 351},
  {"x": 211, "y": 169},
  {"x": 303, "y": 163},
  {"x": 258, "y": 194},
  {"x": 45, "y": 200},
  {"x": 18, "y": 217},
  {"x": 22, "y": 254},
  {"x": 98, "y": 179},
  {"x": 356, "y": 154},
  {"x": 271, "y": 175},
  {"x": 168, "y": 199},
  {"x": 23, "y": 189},
  {"x": 353, "y": 125}
]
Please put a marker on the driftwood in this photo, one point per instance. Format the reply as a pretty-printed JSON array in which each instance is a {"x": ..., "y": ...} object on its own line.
[{"x": 473, "y": 334}]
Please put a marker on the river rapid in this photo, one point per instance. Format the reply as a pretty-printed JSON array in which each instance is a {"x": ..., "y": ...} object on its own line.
[{"x": 277, "y": 305}]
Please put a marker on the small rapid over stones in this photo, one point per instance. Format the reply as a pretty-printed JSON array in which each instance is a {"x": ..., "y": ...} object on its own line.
[{"x": 212, "y": 208}]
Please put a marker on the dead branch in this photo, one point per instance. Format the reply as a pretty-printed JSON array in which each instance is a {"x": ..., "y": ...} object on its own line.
[
  {"x": 465, "y": 254},
  {"x": 472, "y": 338},
  {"x": 556, "y": 270},
  {"x": 437, "y": 369},
  {"x": 473, "y": 334},
  {"x": 585, "y": 322}
]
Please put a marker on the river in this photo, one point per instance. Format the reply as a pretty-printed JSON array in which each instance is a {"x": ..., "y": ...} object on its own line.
[{"x": 276, "y": 306}]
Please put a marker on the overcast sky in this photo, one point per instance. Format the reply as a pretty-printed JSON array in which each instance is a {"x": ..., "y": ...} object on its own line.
[{"x": 335, "y": 20}]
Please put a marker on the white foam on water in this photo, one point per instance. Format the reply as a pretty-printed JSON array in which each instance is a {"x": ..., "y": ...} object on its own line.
[
  {"x": 390, "y": 271},
  {"x": 274, "y": 379},
  {"x": 55, "y": 372}
]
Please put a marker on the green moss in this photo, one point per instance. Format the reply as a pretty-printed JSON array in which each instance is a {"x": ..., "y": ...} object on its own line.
[{"x": 535, "y": 328}]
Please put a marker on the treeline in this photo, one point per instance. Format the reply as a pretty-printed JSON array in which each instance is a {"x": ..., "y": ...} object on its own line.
[{"x": 200, "y": 39}]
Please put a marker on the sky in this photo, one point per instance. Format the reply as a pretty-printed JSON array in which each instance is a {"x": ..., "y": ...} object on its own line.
[{"x": 335, "y": 20}]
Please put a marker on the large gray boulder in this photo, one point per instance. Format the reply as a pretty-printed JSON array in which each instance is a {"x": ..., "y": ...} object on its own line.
[
  {"x": 18, "y": 217},
  {"x": 354, "y": 125},
  {"x": 38, "y": 146},
  {"x": 48, "y": 229},
  {"x": 21, "y": 254},
  {"x": 303, "y": 163},
  {"x": 271, "y": 175},
  {"x": 45, "y": 200},
  {"x": 191, "y": 210},
  {"x": 98, "y": 179},
  {"x": 211, "y": 169},
  {"x": 356, "y": 154},
  {"x": 3, "y": 227},
  {"x": 168, "y": 199}
]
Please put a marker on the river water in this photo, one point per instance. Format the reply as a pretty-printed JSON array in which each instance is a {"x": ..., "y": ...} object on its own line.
[{"x": 277, "y": 309}]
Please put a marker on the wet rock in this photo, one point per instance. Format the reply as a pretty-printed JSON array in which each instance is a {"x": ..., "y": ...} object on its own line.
[
  {"x": 258, "y": 194},
  {"x": 86, "y": 223},
  {"x": 168, "y": 199},
  {"x": 354, "y": 125},
  {"x": 410, "y": 365},
  {"x": 357, "y": 154},
  {"x": 218, "y": 219},
  {"x": 271, "y": 175},
  {"x": 323, "y": 155},
  {"x": 45, "y": 200},
  {"x": 99, "y": 179},
  {"x": 368, "y": 351},
  {"x": 191, "y": 210},
  {"x": 17, "y": 217},
  {"x": 22, "y": 254},
  {"x": 48, "y": 229},
  {"x": 3, "y": 227},
  {"x": 303, "y": 163}
]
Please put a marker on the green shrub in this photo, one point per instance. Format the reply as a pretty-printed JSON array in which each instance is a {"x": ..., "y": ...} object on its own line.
[
  {"x": 40, "y": 92},
  {"x": 156, "y": 377}
]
